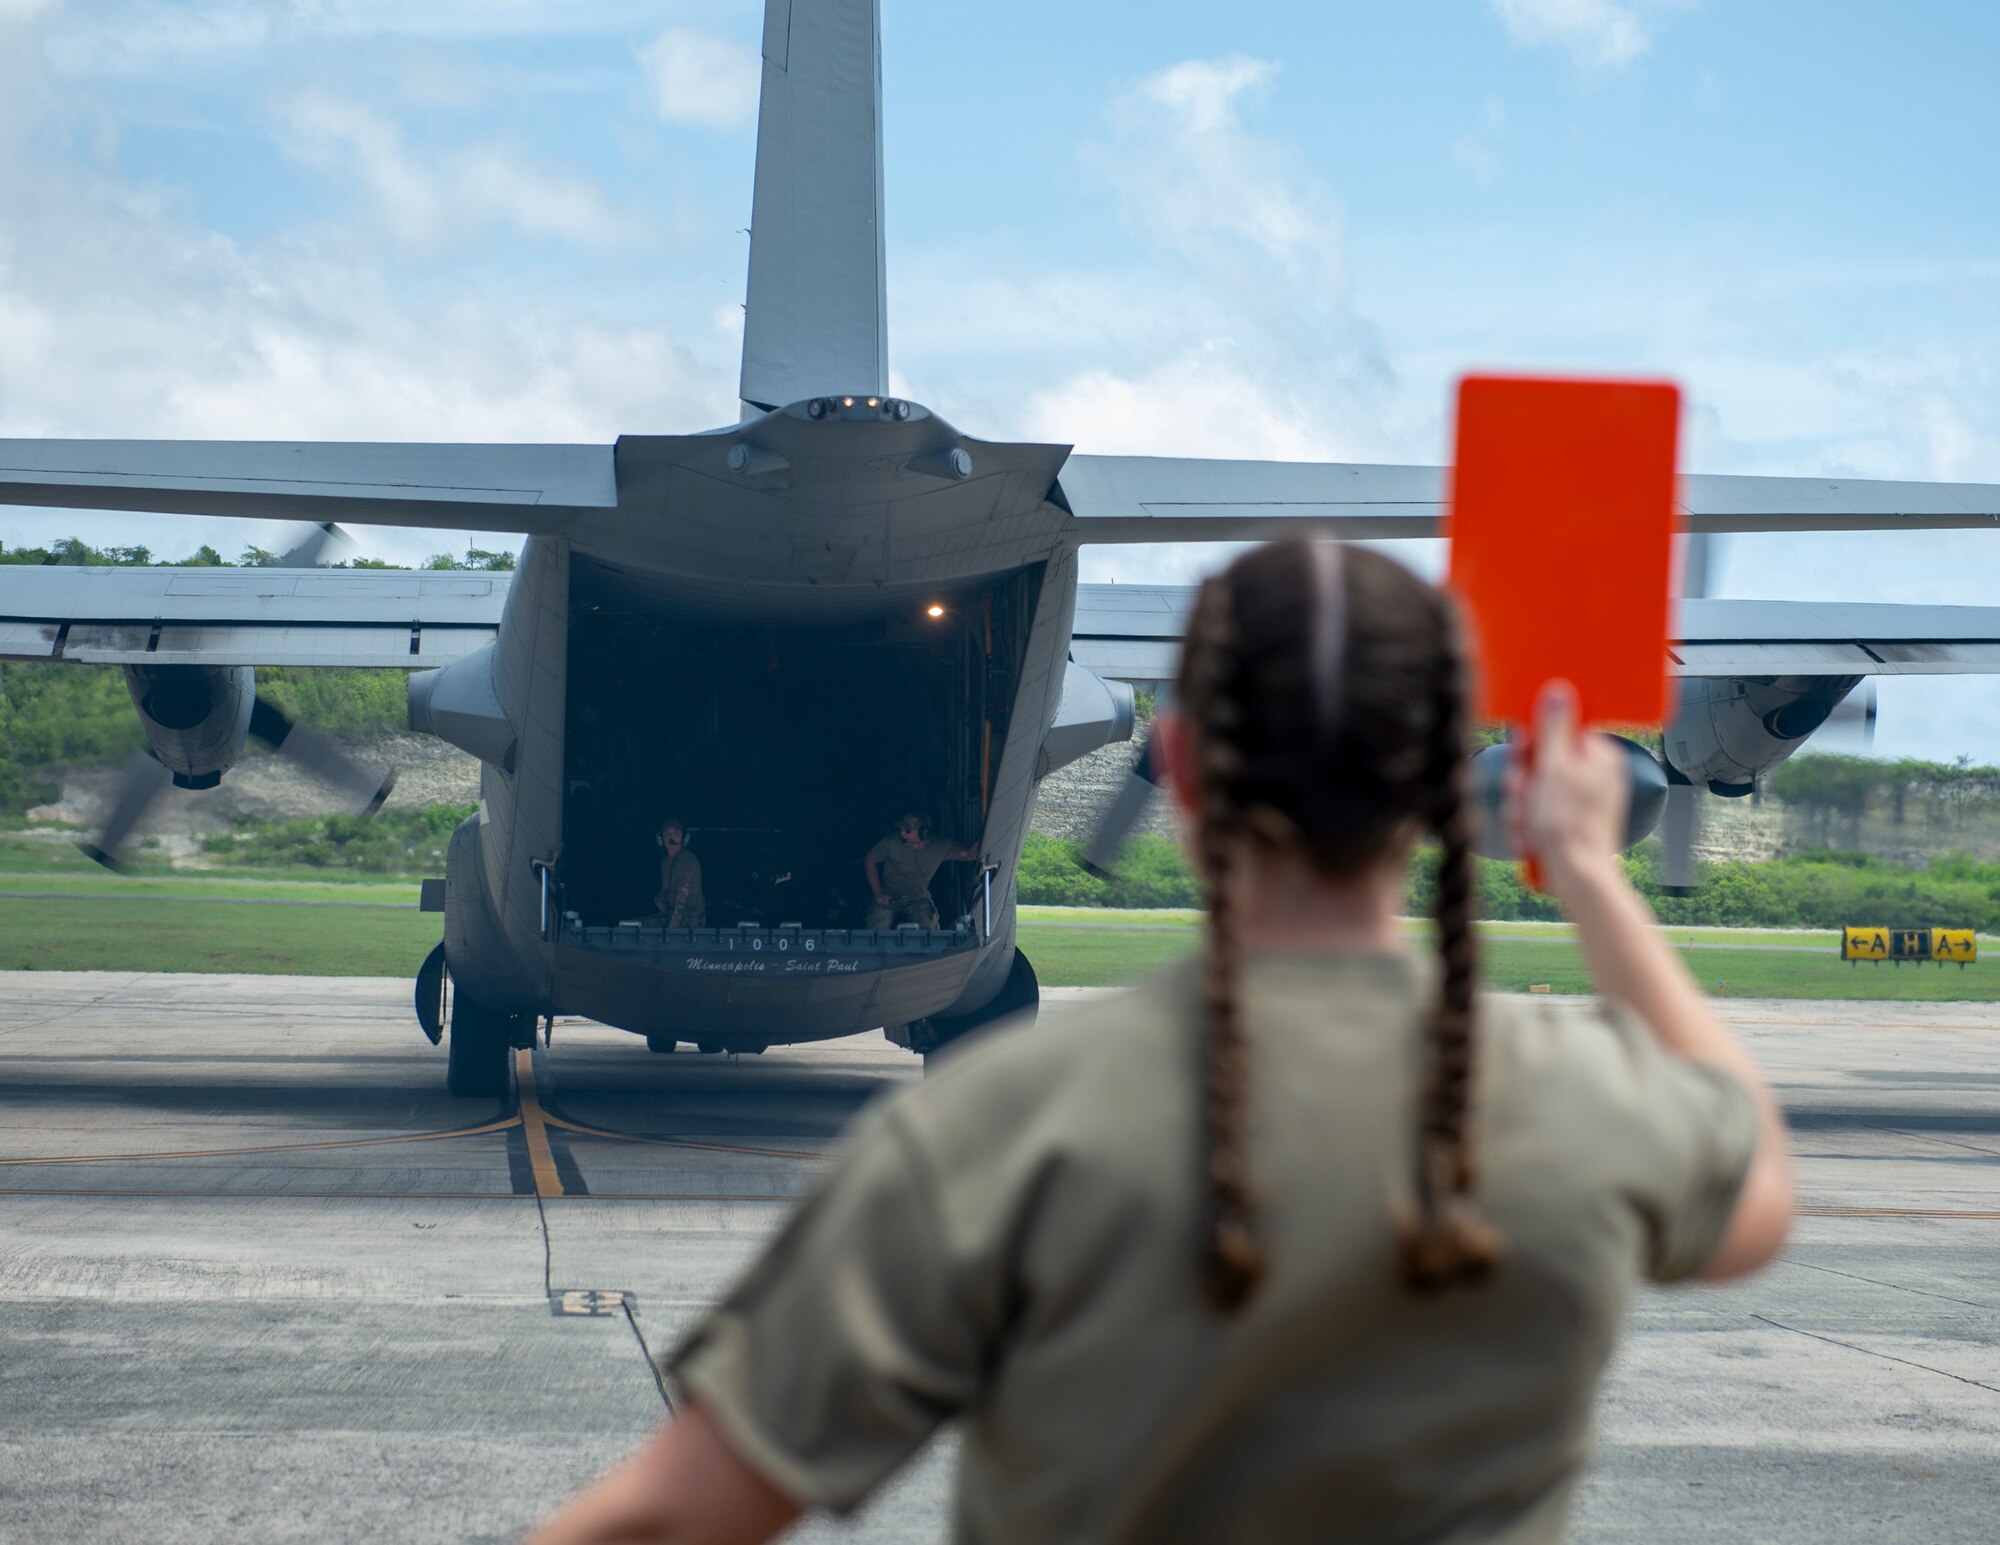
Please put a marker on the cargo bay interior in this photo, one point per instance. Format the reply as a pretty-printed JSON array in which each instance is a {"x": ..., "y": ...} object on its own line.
[{"x": 788, "y": 750}]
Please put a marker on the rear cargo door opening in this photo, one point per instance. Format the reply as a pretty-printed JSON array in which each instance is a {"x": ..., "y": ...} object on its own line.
[{"x": 788, "y": 749}]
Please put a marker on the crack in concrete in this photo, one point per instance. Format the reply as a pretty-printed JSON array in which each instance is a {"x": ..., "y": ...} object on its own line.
[
  {"x": 1887, "y": 1357},
  {"x": 1947, "y": 1142},
  {"x": 652, "y": 1364},
  {"x": 1877, "y": 1282}
]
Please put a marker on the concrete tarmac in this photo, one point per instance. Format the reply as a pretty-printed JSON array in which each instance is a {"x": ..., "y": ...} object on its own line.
[{"x": 264, "y": 1280}]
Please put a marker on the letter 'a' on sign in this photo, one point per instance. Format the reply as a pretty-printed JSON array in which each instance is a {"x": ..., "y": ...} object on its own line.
[{"x": 1562, "y": 524}]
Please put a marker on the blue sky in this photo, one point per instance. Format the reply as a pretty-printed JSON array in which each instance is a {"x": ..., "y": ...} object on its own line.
[{"x": 1275, "y": 229}]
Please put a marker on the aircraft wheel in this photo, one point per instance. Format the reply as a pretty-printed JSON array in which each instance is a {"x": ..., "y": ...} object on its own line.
[
  {"x": 709, "y": 1048},
  {"x": 1019, "y": 998},
  {"x": 661, "y": 1043},
  {"x": 479, "y": 1058}
]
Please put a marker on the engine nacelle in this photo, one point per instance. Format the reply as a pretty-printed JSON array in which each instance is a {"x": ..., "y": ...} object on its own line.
[
  {"x": 1093, "y": 712},
  {"x": 458, "y": 704},
  {"x": 196, "y": 717},
  {"x": 1487, "y": 791},
  {"x": 1729, "y": 730}
]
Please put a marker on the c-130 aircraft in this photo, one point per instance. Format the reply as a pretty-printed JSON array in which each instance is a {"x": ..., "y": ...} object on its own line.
[{"x": 837, "y": 608}]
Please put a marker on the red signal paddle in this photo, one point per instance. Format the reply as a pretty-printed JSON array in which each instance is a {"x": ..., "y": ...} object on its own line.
[{"x": 1561, "y": 522}]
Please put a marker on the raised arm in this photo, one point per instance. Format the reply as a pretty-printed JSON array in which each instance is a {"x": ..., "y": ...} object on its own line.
[
  {"x": 1569, "y": 812},
  {"x": 684, "y": 1486}
]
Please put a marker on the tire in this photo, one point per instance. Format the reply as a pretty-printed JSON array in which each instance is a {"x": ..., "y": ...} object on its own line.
[
  {"x": 1019, "y": 999},
  {"x": 709, "y": 1048},
  {"x": 479, "y": 1058},
  {"x": 661, "y": 1043}
]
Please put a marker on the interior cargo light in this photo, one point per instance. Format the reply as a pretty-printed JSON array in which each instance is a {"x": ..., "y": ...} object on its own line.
[{"x": 934, "y": 610}]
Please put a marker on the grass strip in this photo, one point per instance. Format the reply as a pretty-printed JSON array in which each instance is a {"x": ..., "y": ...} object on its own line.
[{"x": 133, "y": 935}]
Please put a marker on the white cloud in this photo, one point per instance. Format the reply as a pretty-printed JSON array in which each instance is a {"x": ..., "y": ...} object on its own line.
[
  {"x": 700, "y": 78},
  {"x": 432, "y": 200},
  {"x": 1203, "y": 93},
  {"x": 1475, "y": 150},
  {"x": 1599, "y": 34},
  {"x": 121, "y": 36},
  {"x": 121, "y": 316},
  {"x": 1193, "y": 178},
  {"x": 1238, "y": 334},
  {"x": 13, "y": 11}
]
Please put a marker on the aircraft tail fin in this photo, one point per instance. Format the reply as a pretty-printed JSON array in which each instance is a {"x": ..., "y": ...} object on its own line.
[{"x": 814, "y": 323}]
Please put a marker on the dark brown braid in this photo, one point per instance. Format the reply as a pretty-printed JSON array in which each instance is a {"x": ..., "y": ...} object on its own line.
[
  {"x": 1446, "y": 1242},
  {"x": 1232, "y": 1263},
  {"x": 1340, "y": 796}
]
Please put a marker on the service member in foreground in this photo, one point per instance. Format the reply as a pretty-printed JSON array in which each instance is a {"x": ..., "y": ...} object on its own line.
[{"x": 1261, "y": 1251}]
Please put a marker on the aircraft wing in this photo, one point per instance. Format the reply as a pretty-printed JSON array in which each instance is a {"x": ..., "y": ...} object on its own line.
[
  {"x": 1133, "y": 633},
  {"x": 349, "y": 617},
  {"x": 1184, "y": 499},
  {"x": 526, "y": 488}
]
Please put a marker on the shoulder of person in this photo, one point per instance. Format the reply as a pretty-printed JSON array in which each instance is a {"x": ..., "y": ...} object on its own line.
[
  {"x": 1113, "y": 1057},
  {"x": 1581, "y": 1053}
]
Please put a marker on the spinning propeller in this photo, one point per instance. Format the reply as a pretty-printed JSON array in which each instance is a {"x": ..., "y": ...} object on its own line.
[{"x": 198, "y": 717}]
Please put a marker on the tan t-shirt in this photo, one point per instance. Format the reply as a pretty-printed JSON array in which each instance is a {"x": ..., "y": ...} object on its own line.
[
  {"x": 680, "y": 898},
  {"x": 1014, "y": 1244},
  {"x": 906, "y": 870}
]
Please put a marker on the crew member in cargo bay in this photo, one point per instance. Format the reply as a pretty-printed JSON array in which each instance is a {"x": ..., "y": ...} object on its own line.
[
  {"x": 680, "y": 900},
  {"x": 900, "y": 867}
]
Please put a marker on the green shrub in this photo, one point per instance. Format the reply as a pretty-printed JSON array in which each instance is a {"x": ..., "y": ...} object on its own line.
[
  {"x": 391, "y": 842},
  {"x": 1152, "y": 872},
  {"x": 59, "y": 715}
]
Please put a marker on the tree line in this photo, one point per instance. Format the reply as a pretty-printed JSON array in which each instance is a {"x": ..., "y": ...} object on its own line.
[
  {"x": 76, "y": 552},
  {"x": 1813, "y": 890}
]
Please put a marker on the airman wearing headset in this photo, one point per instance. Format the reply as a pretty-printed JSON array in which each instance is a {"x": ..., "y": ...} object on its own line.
[
  {"x": 900, "y": 867},
  {"x": 679, "y": 900}
]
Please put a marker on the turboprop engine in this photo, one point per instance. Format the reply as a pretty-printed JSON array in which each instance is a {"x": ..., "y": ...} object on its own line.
[
  {"x": 1488, "y": 791},
  {"x": 196, "y": 717},
  {"x": 1728, "y": 730}
]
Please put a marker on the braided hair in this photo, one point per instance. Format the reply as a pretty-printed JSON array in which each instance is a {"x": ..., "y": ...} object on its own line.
[{"x": 1325, "y": 688}]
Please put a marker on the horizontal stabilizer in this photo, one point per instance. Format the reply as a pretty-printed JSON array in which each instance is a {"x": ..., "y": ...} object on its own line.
[
  {"x": 525, "y": 488},
  {"x": 1191, "y": 499}
]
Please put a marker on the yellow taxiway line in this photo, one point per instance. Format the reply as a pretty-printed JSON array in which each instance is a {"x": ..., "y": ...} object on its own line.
[{"x": 535, "y": 1128}]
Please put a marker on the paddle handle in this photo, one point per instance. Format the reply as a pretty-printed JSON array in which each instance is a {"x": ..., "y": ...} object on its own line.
[{"x": 1531, "y": 867}]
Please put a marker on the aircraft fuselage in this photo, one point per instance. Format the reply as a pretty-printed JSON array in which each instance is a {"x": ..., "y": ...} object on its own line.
[{"x": 788, "y": 632}]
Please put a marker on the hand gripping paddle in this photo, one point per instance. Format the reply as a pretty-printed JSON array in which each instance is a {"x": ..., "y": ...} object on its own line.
[{"x": 1561, "y": 525}]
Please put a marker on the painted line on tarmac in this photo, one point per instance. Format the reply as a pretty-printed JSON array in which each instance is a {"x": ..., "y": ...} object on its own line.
[
  {"x": 406, "y": 1196},
  {"x": 202, "y": 901},
  {"x": 683, "y": 1142},
  {"x": 236, "y": 1153},
  {"x": 535, "y": 1129},
  {"x": 1944, "y": 1213}
]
